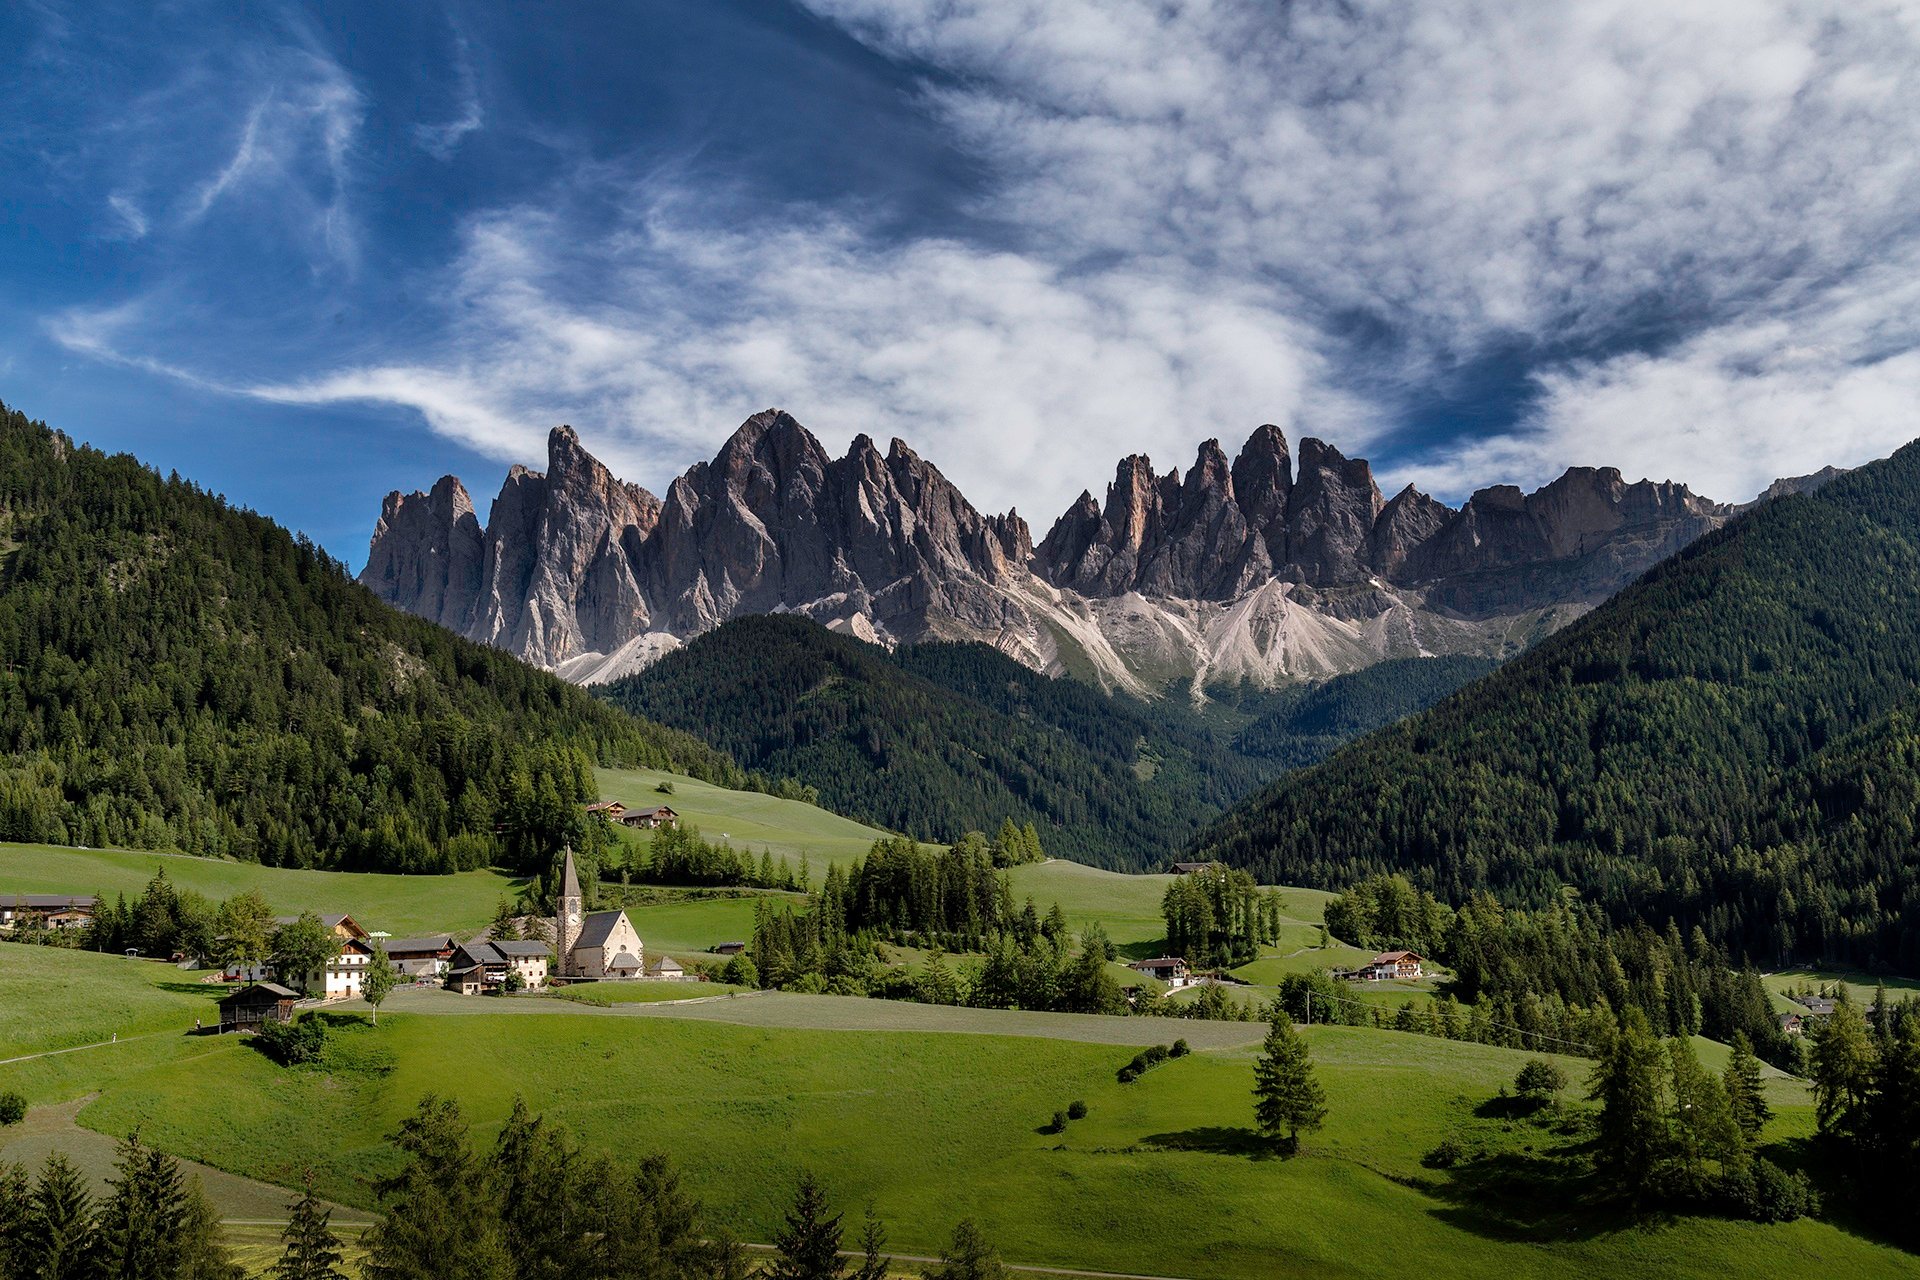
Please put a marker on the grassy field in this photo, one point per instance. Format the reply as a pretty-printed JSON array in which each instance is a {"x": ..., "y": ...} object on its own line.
[
  {"x": 400, "y": 905},
  {"x": 1159, "y": 1178},
  {"x": 694, "y": 928},
  {"x": 746, "y": 819},
  {"x": 614, "y": 993},
  {"x": 1860, "y": 986}
]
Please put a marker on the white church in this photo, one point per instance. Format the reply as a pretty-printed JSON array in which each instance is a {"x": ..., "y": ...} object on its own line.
[{"x": 601, "y": 946}]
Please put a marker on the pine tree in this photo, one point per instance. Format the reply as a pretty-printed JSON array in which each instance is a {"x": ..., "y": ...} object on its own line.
[
  {"x": 1842, "y": 1067},
  {"x": 873, "y": 1244},
  {"x": 1287, "y": 1099},
  {"x": 506, "y": 925},
  {"x": 16, "y": 1220},
  {"x": 140, "y": 1227},
  {"x": 66, "y": 1242},
  {"x": 203, "y": 1255},
  {"x": 1627, "y": 1084},
  {"x": 1744, "y": 1092},
  {"x": 312, "y": 1250},
  {"x": 808, "y": 1246},
  {"x": 378, "y": 980},
  {"x": 1703, "y": 1127},
  {"x": 1894, "y": 1115},
  {"x": 441, "y": 1221}
]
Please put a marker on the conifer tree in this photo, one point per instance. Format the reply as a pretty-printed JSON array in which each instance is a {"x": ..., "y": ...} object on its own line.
[
  {"x": 1842, "y": 1067},
  {"x": 16, "y": 1220},
  {"x": 203, "y": 1255},
  {"x": 1744, "y": 1093},
  {"x": 441, "y": 1221},
  {"x": 1627, "y": 1084},
  {"x": 1703, "y": 1128},
  {"x": 873, "y": 1244},
  {"x": 312, "y": 1251},
  {"x": 808, "y": 1246},
  {"x": 506, "y": 923},
  {"x": 1287, "y": 1099},
  {"x": 140, "y": 1225},
  {"x": 66, "y": 1242}
]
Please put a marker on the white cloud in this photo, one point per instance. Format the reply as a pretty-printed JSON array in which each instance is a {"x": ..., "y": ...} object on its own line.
[
  {"x": 441, "y": 140},
  {"x": 132, "y": 218}
]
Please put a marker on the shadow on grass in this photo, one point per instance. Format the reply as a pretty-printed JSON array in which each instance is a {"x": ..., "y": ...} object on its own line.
[
  {"x": 1219, "y": 1140},
  {"x": 1142, "y": 950}
]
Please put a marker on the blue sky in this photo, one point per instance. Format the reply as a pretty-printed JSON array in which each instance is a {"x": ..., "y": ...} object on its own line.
[{"x": 306, "y": 254}]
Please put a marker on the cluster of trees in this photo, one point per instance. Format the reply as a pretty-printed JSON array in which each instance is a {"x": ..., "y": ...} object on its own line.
[
  {"x": 153, "y": 1224},
  {"x": 1547, "y": 973},
  {"x": 679, "y": 856},
  {"x": 1219, "y": 916},
  {"x": 176, "y": 673},
  {"x": 941, "y": 739},
  {"x": 1732, "y": 743},
  {"x": 1672, "y": 1133},
  {"x": 1866, "y": 1080},
  {"x": 537, "y": 1204}
]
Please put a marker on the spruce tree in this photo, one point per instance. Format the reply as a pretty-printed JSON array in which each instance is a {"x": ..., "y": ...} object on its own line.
[
  {"x": 1626, "y": 1082},
  {"x": 203, "y": 1254},
  {"x": 1704, "y": 1131},
  {"x": 1744, "y": 1092},
  {"x": 16, "y": 1220},
  {"x": 441, "y": 1220},
  {"x": 1843, "y": 1062},
  {"x": 66, "y": 1242},
  {"x": 141, "y": 1225},
  {"x": 1287, "y": 1099},
  {"x": 873, "y": 1244},
  {"x": 312, "y": 1251},
  {"x": 1894, "y": 1115},
  {"x": 808, "y": 1246}
]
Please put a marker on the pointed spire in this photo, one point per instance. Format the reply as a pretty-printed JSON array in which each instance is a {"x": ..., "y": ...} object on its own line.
[{"x": 570, "y": 878}]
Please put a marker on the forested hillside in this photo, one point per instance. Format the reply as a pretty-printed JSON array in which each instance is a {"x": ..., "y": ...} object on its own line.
[
  {"x": 176, "y": 673},
  {"x": 935, "y": 740},
  {"x": 1730, "y": 743},
  {"x": 1307, "y": 722}
]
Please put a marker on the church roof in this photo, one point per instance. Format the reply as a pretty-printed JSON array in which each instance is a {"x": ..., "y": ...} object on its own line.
[
  {"x": 597, "y": 928},
  {"x": 570, "y": 879},
  {"x": 519, "y": 947}
]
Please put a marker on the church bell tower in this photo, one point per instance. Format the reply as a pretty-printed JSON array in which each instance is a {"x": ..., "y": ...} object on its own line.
[{"x": 566, "y": 920}]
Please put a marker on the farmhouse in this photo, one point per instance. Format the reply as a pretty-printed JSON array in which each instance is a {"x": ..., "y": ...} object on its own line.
[
  {"x": 344, "y": 927},
  {"x": 611, "y": 810},
  {"x": 1188, "y": 868},
  {"x": 1792, "y": 1024},
  {"x": 1816, "y": 1006},
  {"x": 46, "y": 910},
  {"x": 426, "y": 957},
  {"x": 481, "y": 965},
  {"x": 649, "y": 818},
  {"x": 729, "y": 948},
  {"x": 1393, "y": 964},
  {"x": 602, "y": 945},
  {"x": 1171, "y": 970},
  {"x": 252, "y": 1006}
]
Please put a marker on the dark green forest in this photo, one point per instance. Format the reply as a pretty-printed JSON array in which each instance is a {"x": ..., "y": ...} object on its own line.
[
  {"x": 1730, "y": 744},
  {"x": 178, "y": 673},
  {"x": 940, "y": 739},
  {"x": 1304, "y": 724}
]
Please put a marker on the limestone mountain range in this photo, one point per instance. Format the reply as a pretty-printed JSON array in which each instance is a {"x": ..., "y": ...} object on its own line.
[{"x": 1259, "y": 567}]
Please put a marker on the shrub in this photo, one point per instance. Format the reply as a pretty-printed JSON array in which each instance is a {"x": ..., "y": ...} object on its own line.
[
  {"x": 1156, "y": 1055},
  {"x": 1179, "y": 1050},
  {"x": 1076, "y": 1110},
  {"x": 1058, "y": 1124},
  {"x": 1128, "y": 1075},
  {"x": 1448, "y": 1154},
  {"x": 1765, "y": 1192},
  {"x": 665, "y": 788},
  {"x": 1539, "y": 1081},
  {"x": 292, "y": 1043},
  {"x": 13, "y": 1108}
]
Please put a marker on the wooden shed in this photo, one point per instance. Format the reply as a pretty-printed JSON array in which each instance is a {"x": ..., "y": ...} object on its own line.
[{"x": 252, "y": 1006}]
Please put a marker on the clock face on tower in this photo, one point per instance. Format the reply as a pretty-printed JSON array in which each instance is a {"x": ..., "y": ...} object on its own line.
[{"x": 573, "y": 919}]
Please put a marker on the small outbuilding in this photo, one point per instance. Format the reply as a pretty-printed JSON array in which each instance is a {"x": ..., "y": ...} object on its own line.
[
  {"x": 667, "y": 968},
  {"x": 251, "y": 1007}
]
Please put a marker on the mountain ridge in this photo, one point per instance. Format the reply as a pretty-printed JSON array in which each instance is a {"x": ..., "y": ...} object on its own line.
[{"x": 1244, "y": 569}]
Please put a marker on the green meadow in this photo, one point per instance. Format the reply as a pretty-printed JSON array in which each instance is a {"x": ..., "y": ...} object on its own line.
[
  {"x": 400, "y": 905},
  {"x": 745, "y": 819}
]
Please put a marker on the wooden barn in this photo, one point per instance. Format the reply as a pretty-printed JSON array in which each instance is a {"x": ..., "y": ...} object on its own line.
[{"x": 253, "y": 1006}]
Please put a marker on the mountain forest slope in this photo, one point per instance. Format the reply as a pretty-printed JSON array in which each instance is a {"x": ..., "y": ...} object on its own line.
[
  {"x": 938, "y": 739},
  {"x": 1732, "y": 743},
  {"x": 176, "y": 673}
]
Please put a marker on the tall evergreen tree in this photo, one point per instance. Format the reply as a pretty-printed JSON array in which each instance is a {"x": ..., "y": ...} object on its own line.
[
  {"x": 16, "y": 1220},
  {"x": 970, "y": 1256},
  {"x": 1287, "y": 1098},
  {"x": 66, "y": 1240},
  {"x": 1894, "y": 1119},
  {"x": 873, "y": 1246},
  {"x": 1704, "y": 1134},
  {"x": 1843, "y": 1061},
  {"x": 1744, "y": 1091},
  {"x": 807, "y": 1247},
  {"x": 141, "y": 1226},
  {"x": 1626, "y": 1082},
  {"x": 440, "y": 1219},
  {"x": 312, "y": 1251},
  {"x": 203, "y": 1254}
]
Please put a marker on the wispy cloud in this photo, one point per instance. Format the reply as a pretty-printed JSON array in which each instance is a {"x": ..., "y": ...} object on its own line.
[{"x": 441, "y": 140}]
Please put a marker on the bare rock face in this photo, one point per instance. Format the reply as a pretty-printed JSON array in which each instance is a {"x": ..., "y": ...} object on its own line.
[{"x": 1260, "y": 567}]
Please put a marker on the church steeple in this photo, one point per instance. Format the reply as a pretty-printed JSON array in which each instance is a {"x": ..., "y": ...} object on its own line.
[{"x": 566, "y": 921}]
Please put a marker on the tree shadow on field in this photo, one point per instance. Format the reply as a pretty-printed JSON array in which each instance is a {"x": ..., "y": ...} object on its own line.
[
  {"x": 1219, "y": 1140},
  {"x": 1142, "y": 950}
]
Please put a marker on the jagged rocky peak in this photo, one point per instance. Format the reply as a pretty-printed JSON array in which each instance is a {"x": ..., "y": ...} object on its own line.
[{"x": 427, "y": 553}]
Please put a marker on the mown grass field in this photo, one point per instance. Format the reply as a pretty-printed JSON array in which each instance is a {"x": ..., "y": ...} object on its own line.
[
  {"x": 1160, "y": 1177},
  {"x": 615, "y": 993},
  {"x": 1861, "y": 987},
  {"x": 693, "y": 928},
  {"x": 400, "y": 905},
  {"x": 744, "y": 819}
]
